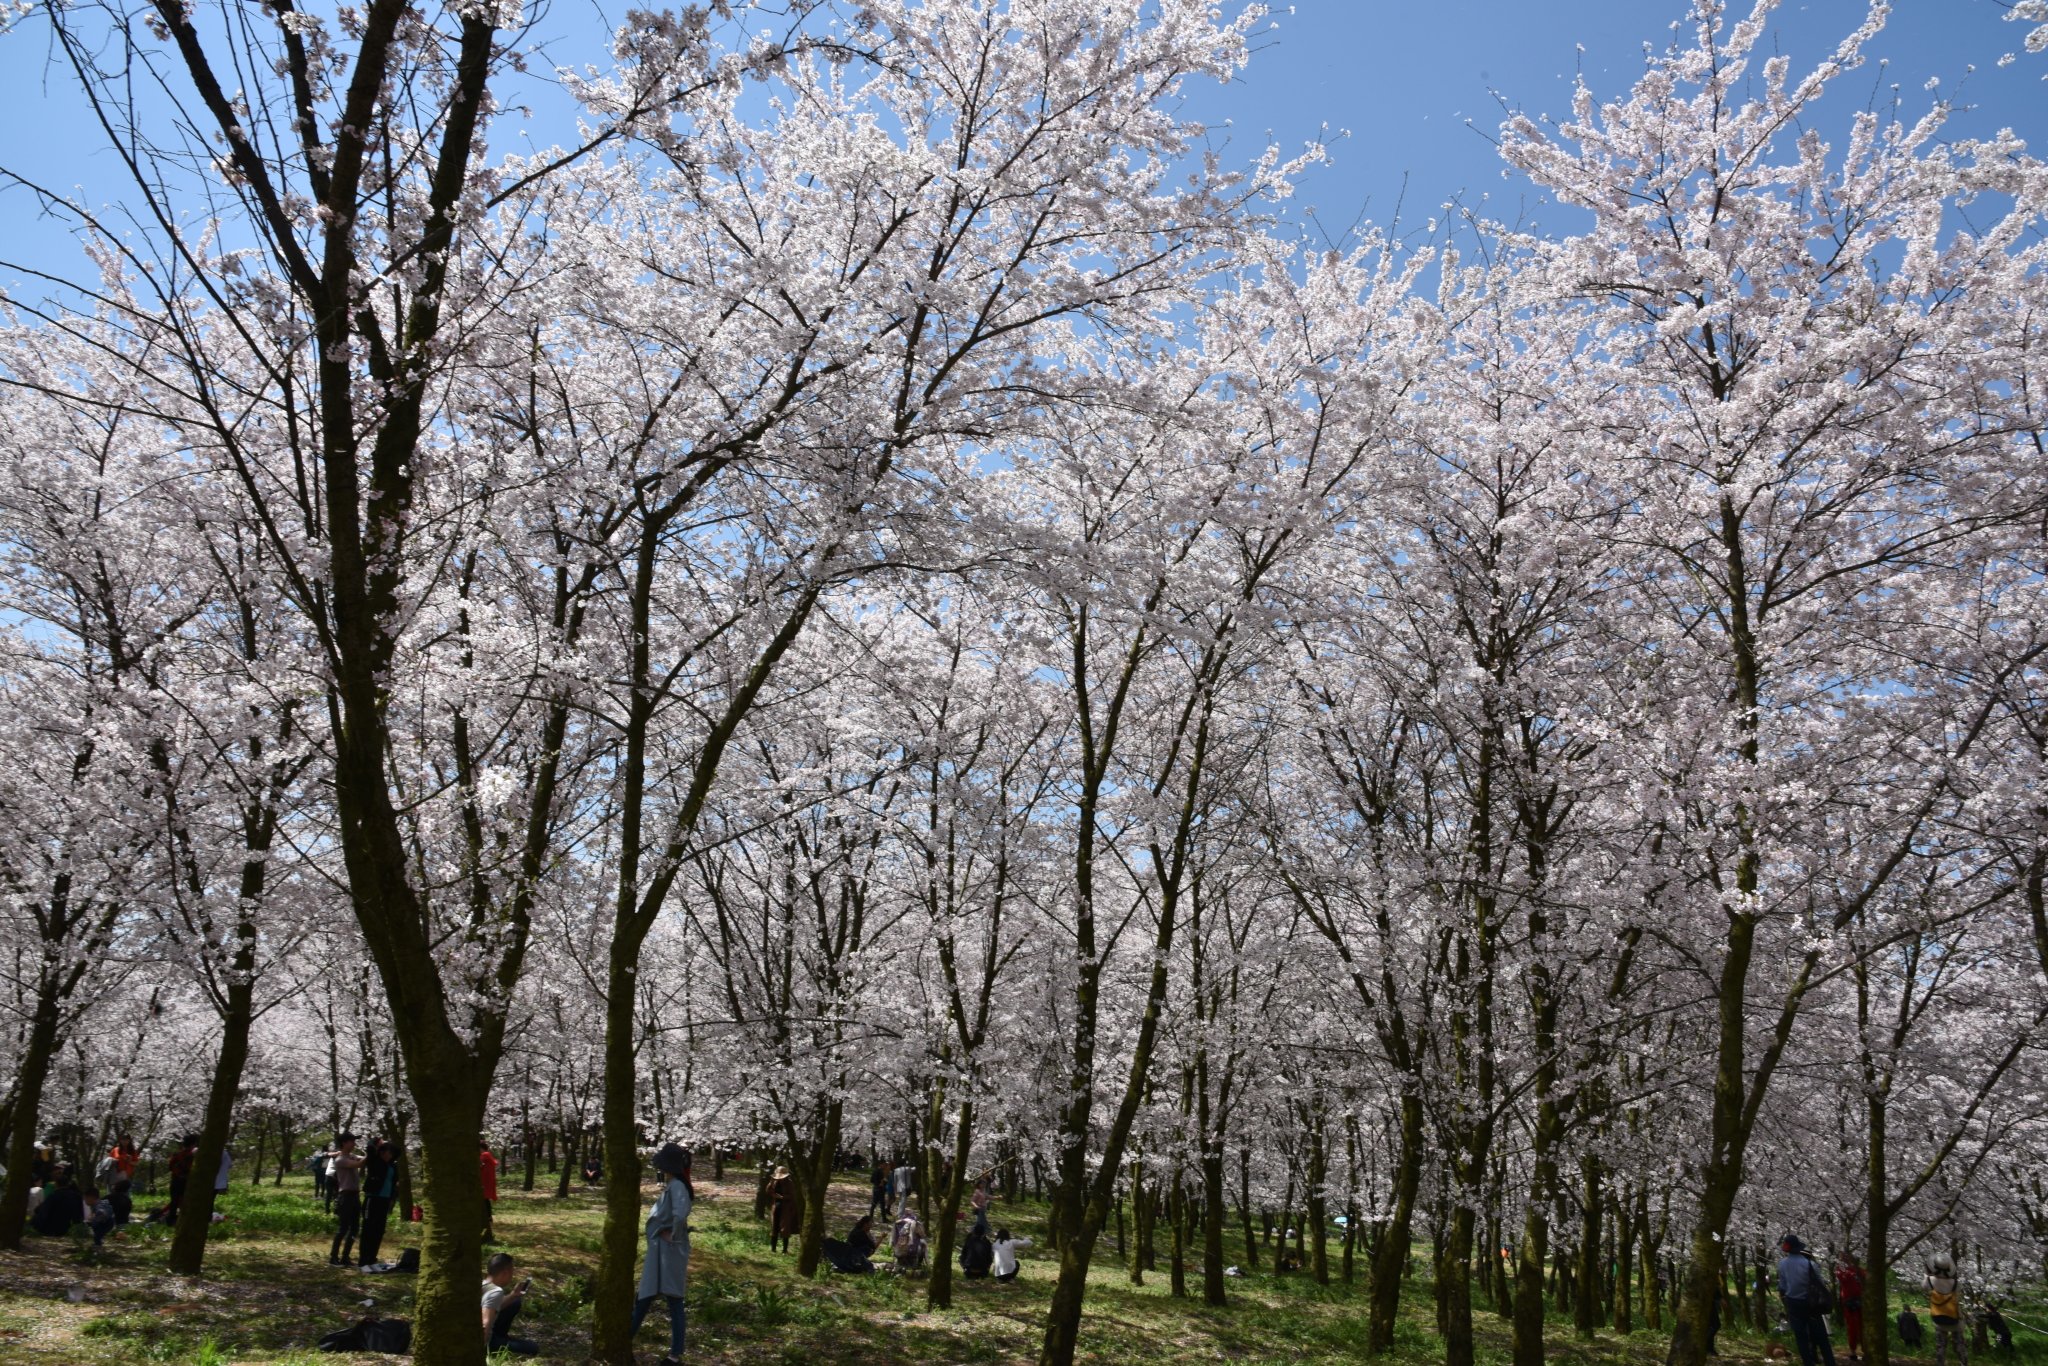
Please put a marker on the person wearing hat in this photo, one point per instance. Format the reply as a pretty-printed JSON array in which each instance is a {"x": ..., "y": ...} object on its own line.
[
  {"x": 1945, "y": 1307},
  {"x": 785, "y": 1215},
  {"x": 1805, "y": 1292},
  {"x": 346, "y": 1179},
  {"x": 666, "y": 1272}
]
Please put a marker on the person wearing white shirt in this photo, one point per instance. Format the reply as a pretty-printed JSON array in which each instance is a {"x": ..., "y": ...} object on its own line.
[{"x": 1005, "y": 1267}]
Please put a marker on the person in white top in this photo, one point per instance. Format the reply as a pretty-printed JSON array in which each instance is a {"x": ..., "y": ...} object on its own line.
[{"x": 1005, "y": 1267}]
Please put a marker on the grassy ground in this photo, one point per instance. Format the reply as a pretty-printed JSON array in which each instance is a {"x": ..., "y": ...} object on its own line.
[{"x": 269, "y": 1295}]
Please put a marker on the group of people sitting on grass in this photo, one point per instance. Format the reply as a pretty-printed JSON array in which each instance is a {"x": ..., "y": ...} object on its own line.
[
  {"x": 59, "y": 1202},
  {"x": 984, "y": 1252}
]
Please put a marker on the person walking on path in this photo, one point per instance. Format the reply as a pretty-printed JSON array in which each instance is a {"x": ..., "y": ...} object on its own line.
[
  {"x": 489, "y": 1165},
  {"x": 1945, "y": 1307},
  {"x": 784, "y": 1216},
  {"x": 1849, "y": 1299},
  {"x": 180, "y": 1168},
  {"x": 347, "y": 1184},
  {"x": 666, "y": 1272},
  {"x": 380, "y": 1188},
  {"x": 1805, "y": 1293}
]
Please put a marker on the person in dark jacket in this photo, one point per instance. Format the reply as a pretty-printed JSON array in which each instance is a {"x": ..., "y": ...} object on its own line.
[
  {"x": 62, "y": 1207},
  {"x": 784, "y": 1213},
  {"x": 380, "y": 1187},
  {"x": 1805, "y": 1291},
  {"x": 180, "y": 1168}
]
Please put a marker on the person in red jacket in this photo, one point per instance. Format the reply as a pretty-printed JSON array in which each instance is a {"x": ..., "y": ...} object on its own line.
[
  {"x": 1849, "y": 1299},
  {"x": 489, "y": 1162}
]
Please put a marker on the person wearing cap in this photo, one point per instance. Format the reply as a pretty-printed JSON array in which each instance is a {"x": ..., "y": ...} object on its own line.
[
  {"x": 347, "y": 1181},
  {"x": 1804, "y": 1290},
  {"x": 667, "y": 1270}
]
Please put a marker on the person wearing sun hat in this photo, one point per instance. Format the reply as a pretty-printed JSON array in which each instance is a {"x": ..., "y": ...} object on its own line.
[{"x": 785, "y": 1213}]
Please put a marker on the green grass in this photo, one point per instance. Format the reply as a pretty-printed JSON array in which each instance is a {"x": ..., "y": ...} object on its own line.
[{"x": 268, "y": 1296}]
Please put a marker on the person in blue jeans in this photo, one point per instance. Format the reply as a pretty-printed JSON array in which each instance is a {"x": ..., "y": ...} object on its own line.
[
  {"x": 1804, "y": 1288},
  {"x": 666, "y": 1274}
]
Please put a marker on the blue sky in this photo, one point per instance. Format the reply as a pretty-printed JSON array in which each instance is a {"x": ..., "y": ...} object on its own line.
[{"x": 1403, "y": 78}]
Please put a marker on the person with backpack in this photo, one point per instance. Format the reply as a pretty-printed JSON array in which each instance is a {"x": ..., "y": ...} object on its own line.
[
  {"x": 1945, "y": 1307},
  {"x": 1849, "y": 1298},
  {"x": 907, "y": 1243},
  {"x": 1807, "y": 1300},
  {"x": 667, "y": 1270},
  {"x": 977, "y": 1254}
]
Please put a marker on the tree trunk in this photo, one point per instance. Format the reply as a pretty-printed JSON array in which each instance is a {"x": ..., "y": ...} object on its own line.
[
  {"x": 451, "y": 1116},
  {"x": 1624, "y": 1259},
  {"x": 33, "y": 1071},
  {"x": 1244, "y": 1207},
  {"x": 1212, "y": 1229},
  {"x": 817, "y": 1180},
  {"x": 1390, "y": 1258},
  {"x": 1586, "y": 1303},
  {"x": 572, "y": 1157},
  {"x": 939, "y": 1292},
  {"x": 1177, "y": 1215},
  {"x": 1877, "y": 1258},
  {"x": 614, "y": 1291},
  {"x": 195, "y": 1216},
  {"x": 1454, "y": 1276}
]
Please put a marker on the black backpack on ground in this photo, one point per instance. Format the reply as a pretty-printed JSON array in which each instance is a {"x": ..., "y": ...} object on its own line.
[
  {"x": 371, "y": 1335},
  {"x": 977, "y": 1254}
]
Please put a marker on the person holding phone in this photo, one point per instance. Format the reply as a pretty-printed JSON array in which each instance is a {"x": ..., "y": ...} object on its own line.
[{"x": 502, "y": 1300}]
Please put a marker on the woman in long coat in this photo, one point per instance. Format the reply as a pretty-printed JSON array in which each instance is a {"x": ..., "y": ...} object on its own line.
[
  {"x": 786, "y": 1213},
  {"x": 667, "y": 1269}
]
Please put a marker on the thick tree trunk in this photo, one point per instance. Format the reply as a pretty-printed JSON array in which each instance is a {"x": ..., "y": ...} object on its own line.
[
  {"x": 619, "y": 1243},
  {"x": 451, "y": 1113},
  {"x": 1212, "y": 1230},
  {"x": 1454, "y": 1276},
  {"x": 31, "y": 1075},
  {"x": 817, "y": 1180},
  {"x": 939, "y": 1291},
  {"x": 195, "y": 1216},
  {"x": 1390, "y": 1258},
  {"x": 1586, "y": 1303}
]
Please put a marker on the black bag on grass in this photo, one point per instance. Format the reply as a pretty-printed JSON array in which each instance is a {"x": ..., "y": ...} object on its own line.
[{"x": 371, "y": 1335}]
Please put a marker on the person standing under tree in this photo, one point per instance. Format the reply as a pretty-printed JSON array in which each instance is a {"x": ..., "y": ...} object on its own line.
[
  {"x": 782, "y": 1210},
  {"x": 489, "y": 1166},
  {"x": 180, "y": 1168},
  {"x": 380, "y": 1188},
  {"x": 346, "y": 1182},
  {"x": 1849, "y": 1299},
  {"x": 1805, "y": 1293},
  {"x": 667, "y": 1269},
  {"x": 1945, "y": 1307}
]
